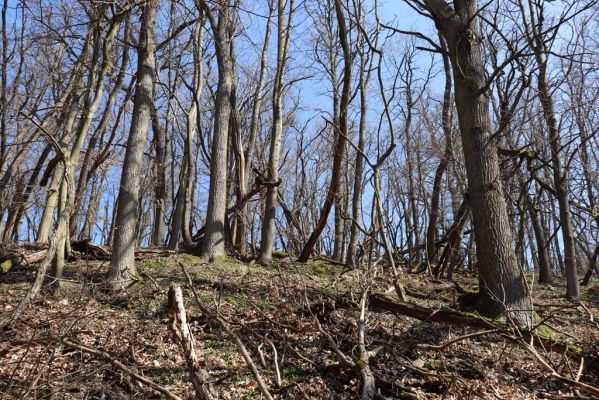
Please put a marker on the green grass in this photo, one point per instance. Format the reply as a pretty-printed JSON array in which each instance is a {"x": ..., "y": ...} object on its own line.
[
  {"x": 154, "y": 307},
  {"x": 156, "y": 265}
]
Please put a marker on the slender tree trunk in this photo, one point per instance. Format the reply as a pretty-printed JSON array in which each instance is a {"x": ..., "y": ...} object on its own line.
[
  {"x": 272, "y": 192},
  {"x": 560, "y": 183},
  {"x": 241, "y": 233},
  {"x": 431, "y": 232},
  {"x": 192, "y": 126},
  {"x": 535, "y": 37},
  {"x": 160, "y": 192},
  {"x": 181, "y": 223},
  {"x": 86, "y": 167},
  {"x": 3, "y": 89},
  {"x": 47, "y": 220},
  {"x": 341, "y": 138},
  {"x": 122, "y": 266},
  {"x": 544, "y": 263},
  {"x": 22, "y": 198},
  {"x": 354, "y": 237}
]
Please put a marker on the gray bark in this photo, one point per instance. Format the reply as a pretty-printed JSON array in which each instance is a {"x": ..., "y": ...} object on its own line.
[
  {"x": 213, "y": 244},
  {"x": 122, "y": 266},
  {"x": 501, "y": 282},
  {"x": 268, "y": 223}
]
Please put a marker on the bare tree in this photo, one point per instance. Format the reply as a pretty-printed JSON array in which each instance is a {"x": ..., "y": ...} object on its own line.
[
  {"x": 501, "y": 282},
  {"x": 268, "y": 223},
  {"x": 122, "y": 266},
  {"x": 213, "y": 243}
]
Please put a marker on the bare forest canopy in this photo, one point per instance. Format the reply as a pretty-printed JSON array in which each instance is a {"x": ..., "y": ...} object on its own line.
[{"x": 408, "y": 141}]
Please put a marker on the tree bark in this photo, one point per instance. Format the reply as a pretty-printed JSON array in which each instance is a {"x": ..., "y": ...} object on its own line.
[
  {"x": 341, "y": 138},
  {"x": 431, "y": 232},
  {"x": 213, "y": 244},
  {"x": 501, "y": 282},
  {"x": 272, "y": 190},
  {"x": 122, "y": 265}
]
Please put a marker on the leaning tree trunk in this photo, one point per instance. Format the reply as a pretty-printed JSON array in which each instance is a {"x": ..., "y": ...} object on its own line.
[
  {"x": 341, "y": 137},
  {"x": 122, "y": 265},
  {"x": 501, "y": 282}
]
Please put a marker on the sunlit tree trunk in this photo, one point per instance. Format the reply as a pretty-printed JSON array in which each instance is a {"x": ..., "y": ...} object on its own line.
[
  {"x": 501, "y": 282},
  {"x": 213, "y": 243},
  {"x": 268, "y": 222},
  {"x": 122, "y": 266}
]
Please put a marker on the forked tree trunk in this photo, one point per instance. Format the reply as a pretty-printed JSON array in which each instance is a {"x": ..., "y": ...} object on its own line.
[
  {"x": 501, "y": 282},
  {"x": 122, "y": 265}
]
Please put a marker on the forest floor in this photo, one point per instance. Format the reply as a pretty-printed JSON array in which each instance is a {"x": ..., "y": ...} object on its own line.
[{"x": 267, "y": 305}]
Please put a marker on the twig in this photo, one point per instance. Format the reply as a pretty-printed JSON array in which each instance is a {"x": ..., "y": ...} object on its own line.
[
  {"x": 232, "y": 336},
  {"x": 575, "y": 383},
  {"x": 120, "y": 366},
  {"x": 458, "y": 339},
  {"x": 587, "y": 310}
]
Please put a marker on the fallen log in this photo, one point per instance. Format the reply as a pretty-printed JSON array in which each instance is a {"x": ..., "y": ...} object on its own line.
[
  {"x": 455, "y": 318},
  {"x": 86, "y": 247},
  {"x": 444, "y": 316},
  {"x": 23, "y": 255}
]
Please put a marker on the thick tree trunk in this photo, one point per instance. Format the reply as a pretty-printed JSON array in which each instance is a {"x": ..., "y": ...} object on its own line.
[
  {"x": 122, "y": 265},
  {"x": 213, "y": 244},
  {"x": 501, "y": 282}
]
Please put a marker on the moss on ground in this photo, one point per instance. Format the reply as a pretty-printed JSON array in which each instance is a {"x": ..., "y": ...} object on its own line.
[
  {"x": 279, "y": 254},
  {"x": 156, "y": 264},
  {"x": 6, "y": 266}
]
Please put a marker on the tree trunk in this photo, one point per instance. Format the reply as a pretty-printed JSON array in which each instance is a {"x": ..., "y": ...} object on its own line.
[
  {"x": 560, "y": 183},
  {"x": 431, "y": 232},
  {"x": 272, "y": 190},
  {"x": 354, "y": 234},
  {"x": 341, "y": 138},
  {"x": 501, "y": 282},
  {"x": 160, "y": 194},
  {"x": 213, "y": 244},
  {"x": 544, "y": 263},
  {"x": 122, "y": 265}
]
